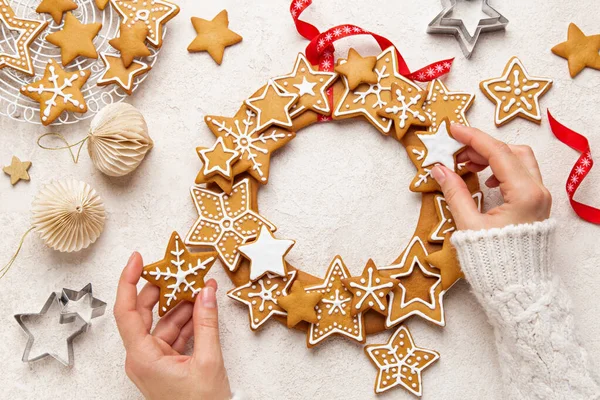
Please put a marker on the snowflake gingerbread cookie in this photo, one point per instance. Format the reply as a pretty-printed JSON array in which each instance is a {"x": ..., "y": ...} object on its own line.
[
  {"x": 516, "y": 93},
  {"x": 180, "y": 275},
  {"x": 370, "y": 290}
]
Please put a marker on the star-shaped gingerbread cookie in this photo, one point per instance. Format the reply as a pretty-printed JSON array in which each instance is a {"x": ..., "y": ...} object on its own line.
[
  {"x": 75, "y": 39},
  {"x": 419, "y": 291},
  {"x": 272, "y": 107},
  {"x": 17, "y": 170},
  {"x": 57, "y": 91},
  {"x": 442, "y": 103},
  {"x": 580, "y": 50},
  {"x": 266, "y": 254},
  {"x": 226, "y": 222},
  {"x": 116, "y": 73},
  {"x": 28, "y": 30},
  {"x": 357, "y": 69},
  {"x": 516, "y": 93},
  {"x": 446, "y": 222},
  {"x": 446, "y": 260},
  {"x": 131, "y": 42},
  {"x": 370, "y": 290},
  {"x": 56, "y": 8},
  {"x": 300, "y": 305},
  {"x": 334, "y": 310},
  {"x": 180, "y": 275},
  {"x": 405, "y": 107},
  {"x": 308, "y": 83},
  {"x": 262, "y": 297},
  {"x": 213, "y": 36},
  {"x": 217, "y": 159},
  {"x": 154, "y": 13}
]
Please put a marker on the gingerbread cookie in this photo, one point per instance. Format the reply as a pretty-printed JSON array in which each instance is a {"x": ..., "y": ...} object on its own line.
[
  {"x": 217, "y": 159},
  {"x": 131, "y": 42},
  {"x": 357, "y": 69},
  {"x": 406, "y": 108},
  {"x": 56, "y": 8},
  {"x": 262, "y": 297},
  {"x": 101, "y": 4},
  {"x": 213, "y": 36},
  {"x": 310, "y": 85},
  {"x": 226, "y": 222},
  {"x": 442, "y": 103},
  {"x": 516, "y": 93},
  {"x": 446, "y": 260},
  {"x": 75, "y": 39},
  {"x": 423, "y": 180},
  {"x": 28, "y": 30},
  {"x": 241, "y": 134},
  {"x": 440, "y": 146},
  {"x": 17, "y": 170},
  {"x": 334, "y": 310},
  {"x": 116, "y": 73},
  {"x": 419, "y": 291},
  {"x": 180, "y": 275},
  {"x": 153, "y": 13},
  {"x": 370, "y": 290},
  {"x": 446, "y": 222},
  {"x": 272, "y": 107},
  {"x": 57, "y": 91},
  {"x": 400, "y": 362},
  {"x": 300, "y": 305},
  {"x": 266, "y": 254},
  {"x": 580, "y": 50}
]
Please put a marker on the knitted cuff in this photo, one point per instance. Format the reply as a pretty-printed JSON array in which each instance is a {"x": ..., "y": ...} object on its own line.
[
  {"x": 516, "y": 254},
  {"x": 237, "y": 396}
]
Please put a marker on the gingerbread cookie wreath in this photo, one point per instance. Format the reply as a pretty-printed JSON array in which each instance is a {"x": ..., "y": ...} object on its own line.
[{"x": 231, "y": 227}]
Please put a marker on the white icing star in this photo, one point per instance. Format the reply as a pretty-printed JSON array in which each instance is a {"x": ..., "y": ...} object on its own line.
[
  {"x": 305, "y": 87},
  {"x": 441, "y": 147},
  {"x": 266, "y": 254}
]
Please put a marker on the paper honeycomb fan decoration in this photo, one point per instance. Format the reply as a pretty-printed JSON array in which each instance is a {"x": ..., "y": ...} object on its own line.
[
  {"x": 68, "y": 214},
  {"x": 118, "y": 140}
]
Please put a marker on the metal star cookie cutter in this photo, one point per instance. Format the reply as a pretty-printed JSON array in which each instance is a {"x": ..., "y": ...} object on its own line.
[
  {"x": 71, "y": 300},
  {"x": 53, "y": 301},
  {"x": 443, "y": 24}
]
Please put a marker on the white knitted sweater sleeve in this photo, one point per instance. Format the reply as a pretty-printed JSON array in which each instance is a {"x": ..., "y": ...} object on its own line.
[{"x": 510, "y": 271}]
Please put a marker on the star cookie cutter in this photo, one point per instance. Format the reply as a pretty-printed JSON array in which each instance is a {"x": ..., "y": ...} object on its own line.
[
  {"x": 444, "y": 24},
  {"x": 53, "y": 301},
  {"x": 71, "y": 300}
]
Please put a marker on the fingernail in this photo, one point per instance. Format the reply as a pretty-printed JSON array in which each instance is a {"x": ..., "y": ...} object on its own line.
[
  {"x": 209, "y": 299},
  {"x": 131, "y": 257},
  {"x": 456, "y": 124},
  {"x": 438, "y": 174}
]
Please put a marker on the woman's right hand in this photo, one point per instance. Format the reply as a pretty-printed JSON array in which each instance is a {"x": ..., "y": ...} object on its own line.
[{"x": 514, "y": 170}]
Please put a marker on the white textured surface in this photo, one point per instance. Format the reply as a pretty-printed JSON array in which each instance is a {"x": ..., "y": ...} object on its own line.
[{"x": 337, "y": 189}]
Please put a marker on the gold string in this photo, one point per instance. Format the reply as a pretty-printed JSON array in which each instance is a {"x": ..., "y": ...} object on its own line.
[
  {"x": 68, "y": 146},
  {"x": 5, "y": 269}
]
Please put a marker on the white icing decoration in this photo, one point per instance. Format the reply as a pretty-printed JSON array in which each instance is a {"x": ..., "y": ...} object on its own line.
[
  {"x": 441, "y": 147},
  {"x": 438, "y": 92},
  {"x": 305, "y": 87},
  {"x": 133, "y": 11},
  {"x": 266, "y": 254},
  {"x": 271, "y": 86},
  {"x": 405, "y": 108},
  {"x": 132, "y": 73},
  {"x": 439, "y": 232},
  {"x": 217, "y": 167},
  {"x": 370, "y": 290}
]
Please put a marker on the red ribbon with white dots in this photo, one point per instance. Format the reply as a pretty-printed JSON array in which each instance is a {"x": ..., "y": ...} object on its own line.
[
  {"x": 580, "y": 170},
  {"x": 320, "y": 49}
]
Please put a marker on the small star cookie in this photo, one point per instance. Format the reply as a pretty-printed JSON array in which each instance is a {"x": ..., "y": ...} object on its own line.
[
  {"x": 334, "y": 310},
  {"x": 580, "y": 50},
  {"x": 153, "y": 13},
  {"x": 217, "y": 159},
  {"x": 262, "y": 297},
  {"x": 56, "y": 8},
  {"x": 357, "y": 69},
  {"x": 226, "y": 222},
  {"x": 213, "y": 36},
  {"x": 440, "y": 146},
  {"x": 446, "y": 222},
  {"x": 308, "y": 83},
  {"x": 116, "y": 73},
  {"x": 57, "y": 91},
  {"x": 423, "y": 180},
  {"x": 400, "y": 362},
  {"x": 405, "y": 108},
  {"x": 446, "y": 260},
  {"x": 516, "y": 93},
  {"x": 75, "y": 39},
  {"x": 300, "y": 305},
  {"x": 180, "y": 275},
  {"x": 419, "y": 291},
  {"x": 272, "y": 107},
  {"x": 131, "y": 42},
  {"x": 17, "y": 170},
  {"x": 266, "y": 254},
  {"x": 28, "y": 30},
  {"x": 370, "y": 290},
  {"x": 442, "y": 103}
]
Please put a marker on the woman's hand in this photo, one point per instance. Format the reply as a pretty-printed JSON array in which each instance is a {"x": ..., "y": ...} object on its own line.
[
  {"x": 155, "y": 362},
  {"x": 515, "y": 171}
]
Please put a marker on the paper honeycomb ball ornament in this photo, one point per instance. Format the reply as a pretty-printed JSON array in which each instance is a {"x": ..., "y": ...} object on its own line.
[
  {"x": 118, "y": 140},
  {"x": 68, "y": 214}
]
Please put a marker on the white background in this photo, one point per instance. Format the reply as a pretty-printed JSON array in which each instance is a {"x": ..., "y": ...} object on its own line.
[{"x": 339, "y": 188}]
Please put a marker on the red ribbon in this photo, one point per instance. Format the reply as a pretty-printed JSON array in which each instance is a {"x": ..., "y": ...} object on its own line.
[{"x": 580, "y": 170}]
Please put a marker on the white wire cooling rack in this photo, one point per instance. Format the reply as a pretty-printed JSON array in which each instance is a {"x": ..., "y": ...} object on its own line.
[{"x": 18, "y": 107}]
